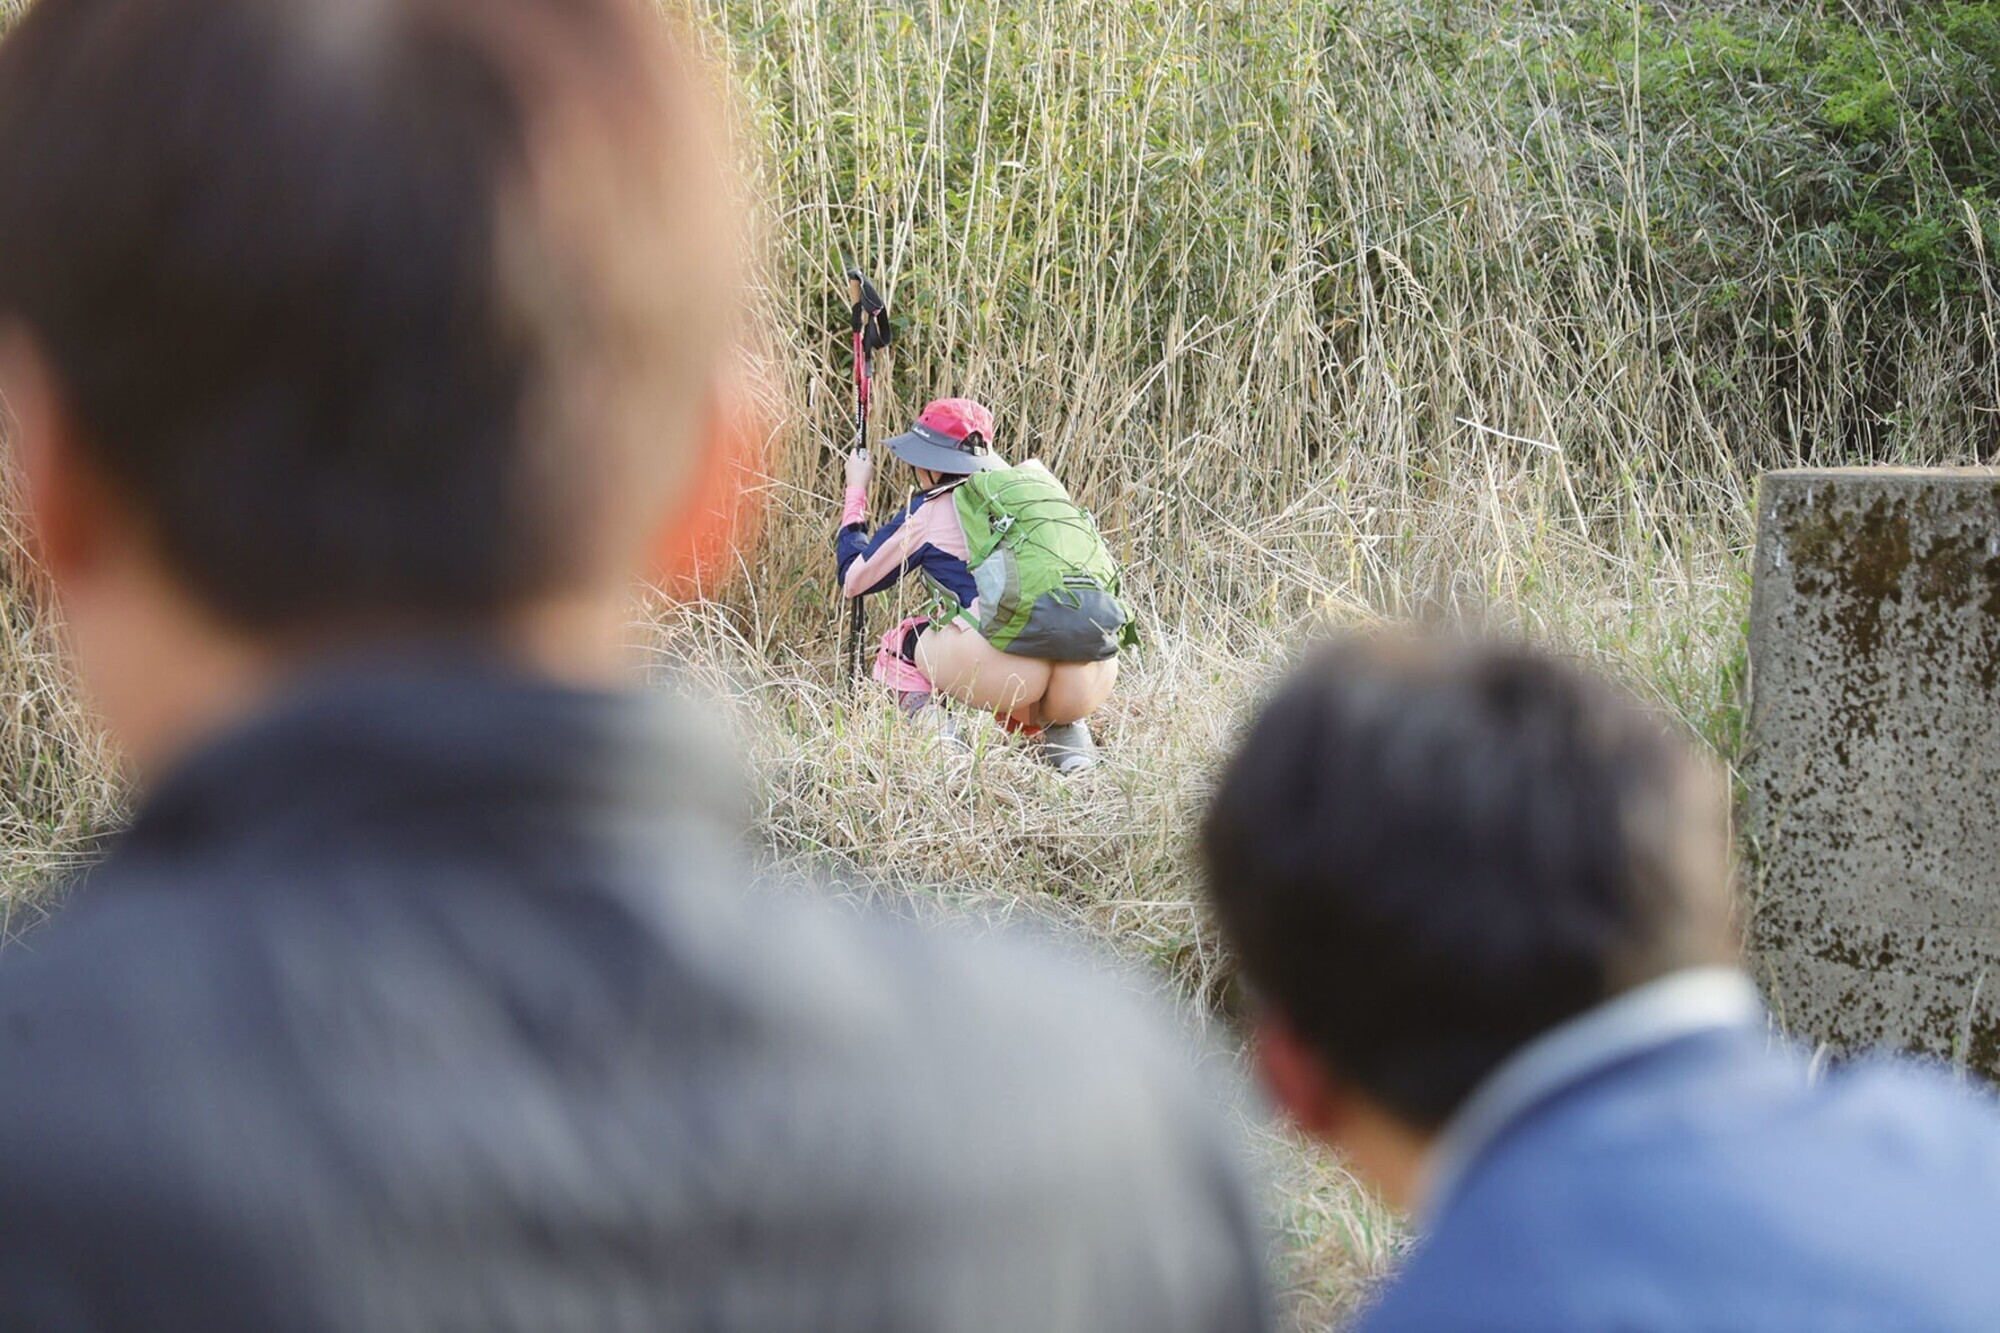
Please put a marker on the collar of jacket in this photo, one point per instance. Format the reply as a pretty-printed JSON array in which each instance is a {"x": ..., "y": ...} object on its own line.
[
  {"x": 1648, "y": 1017},
  {"x": 396, "y": 737}
]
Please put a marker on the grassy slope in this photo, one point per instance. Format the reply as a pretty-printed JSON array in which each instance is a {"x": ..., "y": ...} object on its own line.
[
  {"x": 1334, "y": 312},
  {"x": 1330, "y": 311}
]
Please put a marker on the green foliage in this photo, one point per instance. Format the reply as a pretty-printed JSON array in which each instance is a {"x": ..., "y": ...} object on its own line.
[
  {"x": 1899, "y": 124},
  {"x": 1799, "y": 167}
]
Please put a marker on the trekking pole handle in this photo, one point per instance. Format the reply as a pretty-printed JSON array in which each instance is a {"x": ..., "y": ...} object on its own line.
[{"x": 871, "y": 312}]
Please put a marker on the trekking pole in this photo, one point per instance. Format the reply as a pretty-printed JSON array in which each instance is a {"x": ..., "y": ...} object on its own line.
[{"x": 870, "y": 320}]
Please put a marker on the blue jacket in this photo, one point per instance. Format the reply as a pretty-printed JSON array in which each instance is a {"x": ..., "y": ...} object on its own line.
[{"x": 1707, "y": 1183}]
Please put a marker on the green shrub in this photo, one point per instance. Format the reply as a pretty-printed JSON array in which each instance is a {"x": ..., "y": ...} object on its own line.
[{"x": 1804, "y": 166}]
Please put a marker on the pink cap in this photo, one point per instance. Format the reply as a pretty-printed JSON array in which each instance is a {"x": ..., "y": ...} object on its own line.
[
  {"x": 958, "y": 418},
  {"x": 954, "y": 435}
]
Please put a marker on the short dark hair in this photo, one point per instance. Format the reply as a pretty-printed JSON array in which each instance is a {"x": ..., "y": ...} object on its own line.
[
  {"x": 370, "y": 308},
  {"x": 1427, "y": 852}
]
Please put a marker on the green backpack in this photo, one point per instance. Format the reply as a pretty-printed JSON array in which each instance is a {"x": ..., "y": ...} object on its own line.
[{"x": 1048, "y": 587}]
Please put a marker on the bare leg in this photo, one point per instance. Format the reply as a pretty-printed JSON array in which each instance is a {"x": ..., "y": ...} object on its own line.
[
  {"x": 962, "y": 665},
  {"x": 1076, "y": 690},
  {"x": 965, "y": 667}
]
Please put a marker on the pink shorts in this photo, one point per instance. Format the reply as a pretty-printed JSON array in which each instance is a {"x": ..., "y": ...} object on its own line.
[{"x": 892, "y": 669}]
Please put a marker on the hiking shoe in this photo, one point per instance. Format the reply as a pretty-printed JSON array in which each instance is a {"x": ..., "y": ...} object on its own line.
[
  {"x": 935, "y": 721},
  {"x": 1068, "y": 747}
]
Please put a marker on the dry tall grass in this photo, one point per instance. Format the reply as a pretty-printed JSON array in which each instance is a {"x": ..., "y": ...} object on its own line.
[
  {"x": 58, "y": 793},
  {"x": 1315, "y": 323},
  {"x": 1330, "y": 312},
  {"x": 1323, "y": 327}
]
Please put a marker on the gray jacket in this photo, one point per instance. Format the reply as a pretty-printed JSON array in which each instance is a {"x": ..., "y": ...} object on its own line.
[{"x": 436, "y": 1000}]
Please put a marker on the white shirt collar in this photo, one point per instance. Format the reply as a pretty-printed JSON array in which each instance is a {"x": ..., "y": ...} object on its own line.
[{"x": 1678, "y": 1005}]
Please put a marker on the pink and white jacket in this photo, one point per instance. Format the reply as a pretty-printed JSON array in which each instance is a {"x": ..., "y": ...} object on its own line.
[{"x": 925, "y": 535}]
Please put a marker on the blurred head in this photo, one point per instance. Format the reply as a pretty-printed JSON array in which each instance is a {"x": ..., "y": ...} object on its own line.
[
  {"x": 333, "y": 320},
  {"x": 1427, "y": 853}
]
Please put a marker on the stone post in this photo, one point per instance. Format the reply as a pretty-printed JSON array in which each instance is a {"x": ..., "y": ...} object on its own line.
[{"x": 1874, "y": 769}]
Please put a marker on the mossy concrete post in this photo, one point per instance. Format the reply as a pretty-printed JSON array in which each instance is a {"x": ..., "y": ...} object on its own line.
[{"x": 1874, "y": 770}]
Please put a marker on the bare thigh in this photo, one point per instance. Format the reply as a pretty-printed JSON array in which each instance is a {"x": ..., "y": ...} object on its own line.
[
  {"x": 961, "y": 664},
  {"x": 1077, "y": 689}
]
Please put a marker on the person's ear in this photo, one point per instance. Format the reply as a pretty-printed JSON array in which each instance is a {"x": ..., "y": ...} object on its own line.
[
  {"x": 64, "y": 501},
  {"x": 1380, "y": 1147},
  {"x": 1298, "y": 1079},
  {"x": 719, "y": 507}
]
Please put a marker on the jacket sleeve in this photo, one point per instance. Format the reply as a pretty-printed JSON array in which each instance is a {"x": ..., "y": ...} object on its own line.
[
  {"x": 948, "y": 571},
  {"x": 868, "y": 564}
]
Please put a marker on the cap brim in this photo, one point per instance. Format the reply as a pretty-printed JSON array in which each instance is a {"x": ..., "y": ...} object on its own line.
[{"x": 929, "y": 450}]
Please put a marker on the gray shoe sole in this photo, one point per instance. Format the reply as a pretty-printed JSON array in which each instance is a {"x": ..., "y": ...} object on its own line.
[{"x": 1069, "y": 748}]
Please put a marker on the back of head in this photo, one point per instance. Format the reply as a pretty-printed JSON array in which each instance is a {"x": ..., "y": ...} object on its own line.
[
  {"x": 370, "y": 309},
  {"x": 1426, "y": 853}
]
